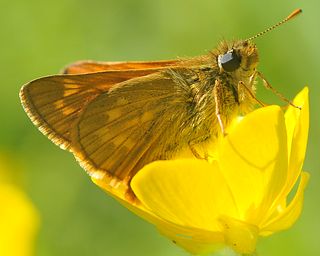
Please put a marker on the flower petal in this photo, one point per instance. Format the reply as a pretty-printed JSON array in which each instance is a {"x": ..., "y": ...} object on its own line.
[
  {"x": 253, "y": 158},
  {"x": 297, "y": 123},
  {"x": 195, "y": 241},
  {"x": 191, "y": 239},
  {"x": 135, "y": 207},
  {"x": 19, "y": 222},
  {"x": 289, "y": 215},
  {"x": 187, "y": 192},
  {"x": 239, "y": 235}
]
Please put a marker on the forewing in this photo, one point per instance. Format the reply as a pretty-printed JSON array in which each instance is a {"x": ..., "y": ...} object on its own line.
[
  {"x": 81, "y": 67},
  {"x": 54, "y": 103},
  {"x": 122, "y": 130}
]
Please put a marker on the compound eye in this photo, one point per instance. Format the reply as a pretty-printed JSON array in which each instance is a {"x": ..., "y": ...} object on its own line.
[{"x": 229, "y": 61}]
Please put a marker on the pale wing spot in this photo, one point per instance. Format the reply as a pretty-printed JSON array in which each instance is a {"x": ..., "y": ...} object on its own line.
[
  {"x": 147, "y": 116},
  {"x": 133, "y": 122},
  {"x": 70, "y": 83},
  {"x": 103, "y": 125},
  {"x": 65, "y": 110},
  {"x": 67, "y": 93},
  {"x": 114, "y": 114}
]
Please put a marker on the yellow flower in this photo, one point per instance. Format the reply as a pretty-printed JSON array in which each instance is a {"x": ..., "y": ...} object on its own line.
[
  {"x": 239, "y": 195},
  {"x": 18, "y": 218}
]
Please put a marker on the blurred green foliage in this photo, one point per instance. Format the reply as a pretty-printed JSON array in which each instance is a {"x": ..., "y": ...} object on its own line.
[{"x": 39, "y": 37}]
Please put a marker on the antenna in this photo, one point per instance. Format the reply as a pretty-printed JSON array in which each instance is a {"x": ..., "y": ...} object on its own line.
[{"x": 292, "y": 15}]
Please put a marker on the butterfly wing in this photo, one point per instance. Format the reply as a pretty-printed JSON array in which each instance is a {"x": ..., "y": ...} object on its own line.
[
  {"x": 114, "y": 122},
  {"x": 81, "y": 67},
  {"x": 129, "y": 126},
  {"x": 117, "y": 120},
  {"x": 54, "y": 103}
]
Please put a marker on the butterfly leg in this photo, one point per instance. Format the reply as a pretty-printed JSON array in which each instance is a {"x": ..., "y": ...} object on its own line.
[
  {"x": 218, "y": 98},
  {"x": 242, "y": 85},
  {"x": 269, "y": 87}
]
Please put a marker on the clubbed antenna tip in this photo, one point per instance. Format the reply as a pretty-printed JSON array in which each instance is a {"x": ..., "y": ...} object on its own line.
[{"x": 292, "y": 15}]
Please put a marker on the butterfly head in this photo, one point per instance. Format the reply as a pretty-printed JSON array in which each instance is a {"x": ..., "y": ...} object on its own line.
[
  {"x": 239, "y": 56},
  {"x": 242, "y": 55}
]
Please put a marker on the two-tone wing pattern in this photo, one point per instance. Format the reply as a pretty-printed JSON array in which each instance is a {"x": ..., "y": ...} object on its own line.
[
  {"x": 114, "y": 121},
  {"x": 123, "y": 129}
]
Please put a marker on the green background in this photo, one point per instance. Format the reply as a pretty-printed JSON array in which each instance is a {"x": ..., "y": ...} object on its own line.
[{"x": 38, "y": 38}]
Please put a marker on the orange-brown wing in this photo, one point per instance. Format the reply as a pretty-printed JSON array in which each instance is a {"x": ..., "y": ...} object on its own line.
[
  {"x": 122, "y": 130},
  {"x": 54, "y": 103},
  {"x": 81, "y": 67}
]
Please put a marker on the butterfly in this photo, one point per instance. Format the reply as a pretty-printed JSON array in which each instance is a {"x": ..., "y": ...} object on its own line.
[{"x": 116, "y": 117}]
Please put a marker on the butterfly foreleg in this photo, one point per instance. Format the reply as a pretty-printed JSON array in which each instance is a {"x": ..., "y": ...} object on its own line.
[
  {"x": 242, "y": 85},
  {"x": 269, "y": 87}
]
